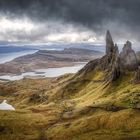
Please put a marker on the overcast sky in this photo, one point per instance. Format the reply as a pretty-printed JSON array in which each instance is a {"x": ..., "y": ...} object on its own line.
[{"x": 43, "y": 21}]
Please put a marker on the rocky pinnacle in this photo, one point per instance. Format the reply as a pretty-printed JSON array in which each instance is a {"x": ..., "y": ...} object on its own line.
[
  {"x": 128, "y": 57},
  {"x": 109, "y": 43},
  {"x": 115, "y": 64},
  {"x": 118, "y": 63}
]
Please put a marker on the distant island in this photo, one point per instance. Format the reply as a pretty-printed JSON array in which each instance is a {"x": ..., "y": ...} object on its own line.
[{"x": 44, "y": 59}]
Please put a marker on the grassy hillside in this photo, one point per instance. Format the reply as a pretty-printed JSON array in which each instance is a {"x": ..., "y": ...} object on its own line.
[
  {"x": 100, "y": 102},
  {"x": 74, "y": 107}
]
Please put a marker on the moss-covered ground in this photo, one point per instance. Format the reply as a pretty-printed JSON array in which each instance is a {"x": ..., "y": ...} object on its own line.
[{"x": 73, "y": 109}]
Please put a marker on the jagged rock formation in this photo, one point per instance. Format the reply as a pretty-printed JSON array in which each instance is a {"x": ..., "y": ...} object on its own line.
[
  {"x": 111, "y": 62},
  {"x": 116, "y": 64},
  {"x": 128, "y": 57},
  {"x": 109, "y": 43},
  {"x": 115, "y": 71},
  {"x": 111, "y": 52}
]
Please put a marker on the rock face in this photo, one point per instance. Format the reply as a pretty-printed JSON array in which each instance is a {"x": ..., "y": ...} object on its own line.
[
  {"x": 137, "y": 76},
  {"x": 111, "y": 52},
  {"x": 128, "y": 57},
  {"x": 111, "y": 62},
  {"x": 115, "y": 71},
  {"x": 114, "y": 64},
  {"x": 109, "y": 43}
]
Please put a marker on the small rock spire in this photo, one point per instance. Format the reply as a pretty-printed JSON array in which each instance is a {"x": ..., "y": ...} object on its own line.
[
  {"x": 109, "y": 43},
  {"x": 128, "y": 57},
  {"x": 127, "y": 46}
]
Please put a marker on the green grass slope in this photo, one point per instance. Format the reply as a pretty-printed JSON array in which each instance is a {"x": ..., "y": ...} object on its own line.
[{"x": 75, "y": 107}]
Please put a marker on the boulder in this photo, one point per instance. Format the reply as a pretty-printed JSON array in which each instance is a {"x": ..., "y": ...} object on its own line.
[{"x": 38, "y": 98}]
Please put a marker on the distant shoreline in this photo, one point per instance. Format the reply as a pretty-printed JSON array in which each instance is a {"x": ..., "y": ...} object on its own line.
[
  {"x": 7, "y": 57},
  {"x": 44, "y": 73},
  {"x": 46, "y": 59}
]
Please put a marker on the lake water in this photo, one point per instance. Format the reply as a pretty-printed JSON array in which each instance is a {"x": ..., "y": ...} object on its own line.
[
  {"x": 6, "y": 57},
  {"x": 5, "y": 106},
  {"x": 50, "y": 72}
]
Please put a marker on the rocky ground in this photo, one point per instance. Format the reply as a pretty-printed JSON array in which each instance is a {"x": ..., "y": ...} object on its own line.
[{"x": 100, "y": 102}]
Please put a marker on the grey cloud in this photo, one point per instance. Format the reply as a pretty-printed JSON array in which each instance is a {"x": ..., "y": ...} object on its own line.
[{"x": 120, "y": 16}]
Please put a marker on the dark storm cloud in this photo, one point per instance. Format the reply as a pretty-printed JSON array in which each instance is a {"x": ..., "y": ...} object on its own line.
[
  {"x": 98, "y": 15},
  {"x": 86, "y": 12}
]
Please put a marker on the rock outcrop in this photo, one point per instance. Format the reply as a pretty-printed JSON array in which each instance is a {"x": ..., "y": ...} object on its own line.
[
  {"x": 111, "y": 52},
  {"x": 111, "y": 62},
  {"x": 128, "y": 57},
  {"x": 109, "y": 43},
  {"x": 117, "y": 64},
  {"x": 137, "y": 76},
  {"x": 115, "y": 71}
]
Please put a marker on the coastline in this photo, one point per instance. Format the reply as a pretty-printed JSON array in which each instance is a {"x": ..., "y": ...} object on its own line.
[{"x": 45, "y": 73}]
